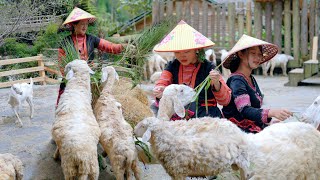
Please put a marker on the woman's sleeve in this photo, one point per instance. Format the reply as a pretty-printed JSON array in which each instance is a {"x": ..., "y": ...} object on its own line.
[
  {"x": 61, "y": 54},
  {"x": 109, "y": 47},
  {"x": 223, "y": 96},
  {"x": 165, "y": 79},
  {"x": 243, "y": 103}
]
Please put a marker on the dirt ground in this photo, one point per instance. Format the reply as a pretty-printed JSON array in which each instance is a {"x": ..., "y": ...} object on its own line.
[{"x": 31, "y": 143}]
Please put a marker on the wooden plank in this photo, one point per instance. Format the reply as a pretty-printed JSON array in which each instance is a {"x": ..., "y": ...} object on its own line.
[
  {"x": 20, "y": 71},
  {"x": 312, "y": 20},
  {"x": 231, "y": 23},
  {"x": 304, "y": 29},
  {"x": 241, "y": 19},
  {"x": 205, "y": 18},
  {"x": 258, "y": 20},
  {"x": 248, "y": 18},
  {"x": 196, "y": 15},
  {"x": 218, "y": 27},
  {"x": 10, "y": 83},
  {"x": 187, "y": 12},
  {"x": 162, "y": 7},
  {"x": 51, "y": 81},
  {"x": 296, "y": 29},
  {"x": 51, "y": 70},
  {"x": 155, "y": 11},
  {"x": 19, "y": 60},
  {"x": 314, "y": 48},
  {"x": 213, "y": 21},
  {"x": 287, "y": 27},
  {"x": 179, "y": 11},
  {"x": 169, "y": 10},
  {"x": 277, "y": 18},
  {"x": 268, "y": 18},
  {"x": 223, "y": 25},
  {"x": 42, "y": 73}
]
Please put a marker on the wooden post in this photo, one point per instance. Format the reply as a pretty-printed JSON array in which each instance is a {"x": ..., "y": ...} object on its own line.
[
  {"x": 241, "y": 20},
  {"x": 155, "y": 11},
  {"x": 314, "y": 48},
  {"x": 218, "y": 27},
  {"x": 179, "y": 11},
  {"x": 277, "y": 18},
  {"x": 268, "y": 15},
  {"x": 223, "y": 25},
  {"x": 258, "y": 20},
  {"x": 42, "y": 73},
  {"x": 249, "y": 18},
  {"x": 304, "y": 30},
  {"x": 162, "y": 7},
  {"x": 196, "y": 15},
  {"x": 231, "y": 23},
  {"x": 287, "y": 27},
  {"x": 312, "y": 20},
  {"x": 187, "y": 12},
  {"x": 205, "y": 18},
  {"x": 213, "y": 20},
  {"x": 296, "y": 29},
  {"x": 169, "y": 11}
]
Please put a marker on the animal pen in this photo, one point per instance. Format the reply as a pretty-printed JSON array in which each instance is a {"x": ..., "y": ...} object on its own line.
[{"x": 290, "y": 24}]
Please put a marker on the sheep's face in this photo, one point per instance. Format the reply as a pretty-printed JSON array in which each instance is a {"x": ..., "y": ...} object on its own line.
[
  {"x": 183, "y": 93},
  {"x": 313, "y": 112},
  {"x": 17, "y": 88},
  {"x": 107, "y": 72},
  {"x": 143, "y": 126},
  {"x": 75, "y": 66}
]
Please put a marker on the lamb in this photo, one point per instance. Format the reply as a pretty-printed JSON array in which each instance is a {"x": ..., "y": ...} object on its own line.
[
  {"x": 211, "y": 56},
  {"x": 224, "y": 54},
  {"x": 117, "y": 135},
  {"x": 279, "y": 60},
  {"x": 18, "y": 94},
  {"x": 11, "y": 167},
  {"x": 155, "y": 63},
  {"x": 75, "y": 129},
  {"x": 177, "y": 144}
]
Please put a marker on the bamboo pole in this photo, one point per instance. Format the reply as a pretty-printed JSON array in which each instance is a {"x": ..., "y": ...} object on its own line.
[
  {"x": 248, "y": 18},
  {"x": 287, "y": 27}
]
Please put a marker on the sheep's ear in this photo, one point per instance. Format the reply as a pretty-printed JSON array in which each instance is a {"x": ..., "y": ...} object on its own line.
[
  {"x": 116, "y": 75},
  {"x": 178, "y": 107},
  {"x": 104, "y": 76},
  {"x": 146, "y": 136},
  {"x": 90, "y": 71},
  {"x": 69, "y": 74}
]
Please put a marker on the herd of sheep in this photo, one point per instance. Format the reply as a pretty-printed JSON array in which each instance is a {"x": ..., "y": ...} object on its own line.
[{"x": 198, "y": 147}]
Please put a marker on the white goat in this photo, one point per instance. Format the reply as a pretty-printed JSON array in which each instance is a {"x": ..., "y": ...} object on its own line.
[
  {"x": 11, "y": 167},
  {"x": 75, "y": 130},
  {"x": 18, "y": 94},
  {"x": 224, "y": 54},
  {"x": 117, "y": 135},
  {"x": 178, "y": 144},
  {"x": 279, "y": 60},
  {"x": 211, "y": 56}
]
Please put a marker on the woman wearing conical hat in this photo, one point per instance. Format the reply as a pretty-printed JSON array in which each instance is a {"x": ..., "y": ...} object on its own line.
[
  {"x": 190, "y": 69},
  {"x": 244, "y": 108},
  {"x": 78, "y": 21}
]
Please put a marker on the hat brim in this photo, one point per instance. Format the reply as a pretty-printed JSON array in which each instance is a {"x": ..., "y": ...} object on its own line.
[
  {"x": 90, "y": 20},
  {"x": 179, "y": 50},
  {"x": 268, "y": 51}
]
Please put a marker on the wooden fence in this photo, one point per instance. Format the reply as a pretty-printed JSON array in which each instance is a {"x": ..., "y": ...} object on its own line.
[
  {"x": 290, "y": 24},
  {"x": 41, "y": 68}
]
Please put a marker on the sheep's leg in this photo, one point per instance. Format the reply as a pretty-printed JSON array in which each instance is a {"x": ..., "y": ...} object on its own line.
[
  {"x": 284, "y": 69},
  {"x": 94, "y": 176},
  {"x": 271, "y": 69},
  {"x": 136, "y": 170},
  {"x": 83, "y": 177},
  {"x": 56, "y": 154},
  {"x": 29, "y": 101},
  {"x": 242, "y": 174},
  {"x": 18, "y": 120}
]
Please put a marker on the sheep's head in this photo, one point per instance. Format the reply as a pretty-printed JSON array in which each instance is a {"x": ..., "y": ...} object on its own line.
[
  {"x": 290, "y": 58},
  {"x": 16, "y": 88},
  {"x": 109, "y": 72},
  {"x": 180, "y": 95},
  {"x": 75, "y": 66},
  {"x": 142, "y": 129},
  {"x": 312, "y": 113}
]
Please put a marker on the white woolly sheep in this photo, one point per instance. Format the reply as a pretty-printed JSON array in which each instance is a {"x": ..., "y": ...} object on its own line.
[
  {"x": 211, "y": 56},
  {"x": 75, "y": 129},
  {"x": 197, "y": 147},
  {"x": 224, "y": 54},
  {"x": 279, "y": 60},
  {"x": 116, "y": 134},
  {"x": 11, "y": 167}
]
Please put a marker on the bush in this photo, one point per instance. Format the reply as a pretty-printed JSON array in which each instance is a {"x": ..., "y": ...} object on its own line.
[{"x": 15, "y": 49}]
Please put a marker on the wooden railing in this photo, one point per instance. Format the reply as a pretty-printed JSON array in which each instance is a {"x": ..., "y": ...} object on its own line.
[{"x": 41, "y": 68}]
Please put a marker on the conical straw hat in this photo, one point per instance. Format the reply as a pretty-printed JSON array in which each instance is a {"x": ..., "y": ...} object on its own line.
[
  {"x": 183, "y": 37},
  {"x": 268, "y": 50},
  {"x": 78, "y": 14}
]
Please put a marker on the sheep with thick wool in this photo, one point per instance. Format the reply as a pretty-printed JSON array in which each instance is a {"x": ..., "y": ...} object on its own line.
[
  {"x": 116, "y": 134},
  {"x": 75, "y": 129},
  {"x": 11, "y": 167},
  {"x": 197, "y": 147}
]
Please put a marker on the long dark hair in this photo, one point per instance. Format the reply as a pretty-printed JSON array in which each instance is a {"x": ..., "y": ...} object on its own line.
[{"x": 234, "y": 65}]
